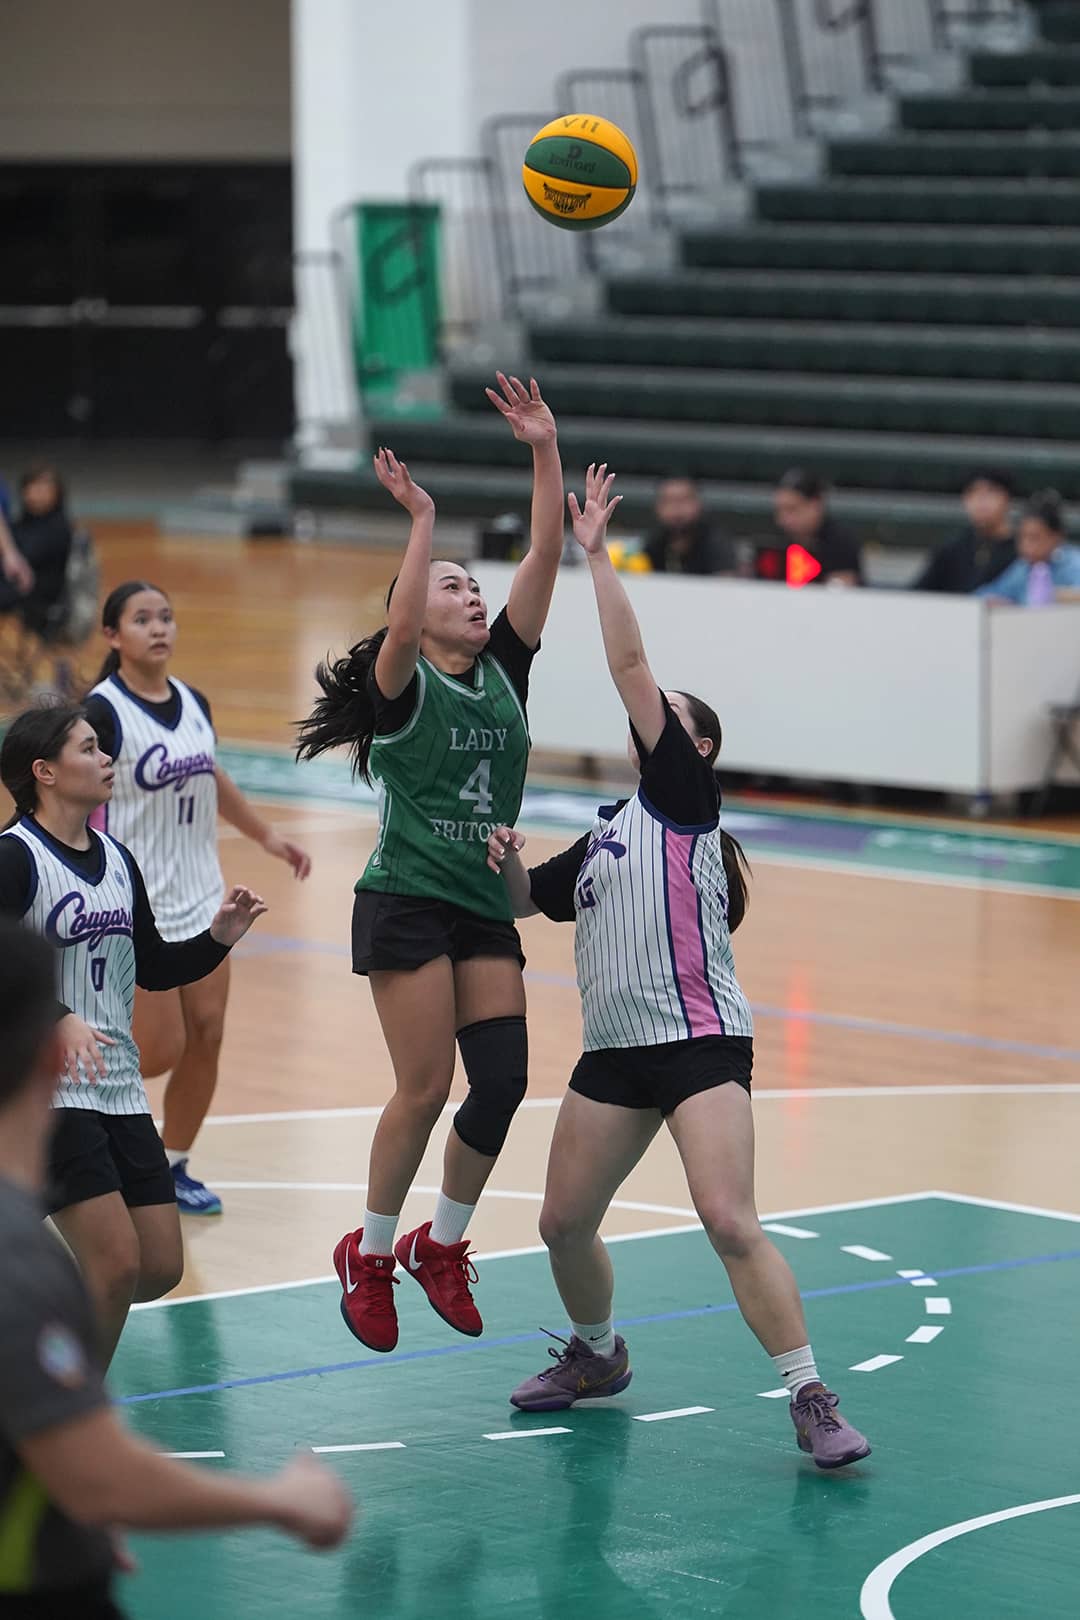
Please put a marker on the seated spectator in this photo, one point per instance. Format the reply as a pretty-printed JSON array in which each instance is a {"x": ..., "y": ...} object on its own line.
[
  {"x": 1048, "y": 567},
  {"x": 43, "y": 534},
  {"x": 16, "y": 575},
  {"x": 684, "y": 541},
  {"x": 985, "y": 547},
  {"x": 800, "y": 507}
]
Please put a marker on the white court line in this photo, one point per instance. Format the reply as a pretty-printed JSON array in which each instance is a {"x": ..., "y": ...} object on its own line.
[
  {"x": 525, "y": 1434},
  {"x": 924, "y": 1335},
  {"x": 372, "y": 1445},
  {"x": 874, "y": 1598},
  {"x": 924, "y": 1282},
  {"x": 432, "y": 1192},
  {"x": 615, "y": 1237},
  {"x": 1001, "y": 1203},
  {"x": 771, "y": 1394},
  {"x": 679, "y": 1411},
  {"x": 861, "y": 1252},
  {"x": 937, "y": 880},
  {"x": 874, "y": 1363},
  {"x": 914, "y": 1272},
  {"x": 329, "y": 1277},
  {"x": 936, "y": 1305},
  {"x": 1007, "y": 1088},
  {"x": 194, "y": 1456},
  {"x": 787, "y": 1231}
]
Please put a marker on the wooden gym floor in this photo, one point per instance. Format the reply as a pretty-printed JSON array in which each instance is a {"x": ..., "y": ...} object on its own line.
[{"x": 917, "y": 1030}]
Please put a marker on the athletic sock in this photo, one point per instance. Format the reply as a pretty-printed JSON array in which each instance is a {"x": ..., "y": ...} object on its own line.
[
  {"x": 599, "y": 1336},
  {"x": 450, "y": 1220},
  {"x": 796, "y": 1368},
  {"x": 378, "y": 1234},
  {"x": 176, "y": 1156}
]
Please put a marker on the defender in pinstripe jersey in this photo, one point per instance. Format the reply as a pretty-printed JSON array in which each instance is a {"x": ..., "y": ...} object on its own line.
[
  {"x": 656, "y": 890},
  {"x": 112, "y": 1193},
  {"x": 432, "y": 708},
  {"x": 168, "y": 792}
]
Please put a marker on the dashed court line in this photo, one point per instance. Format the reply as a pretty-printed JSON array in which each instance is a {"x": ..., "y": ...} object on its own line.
[
  {"x": 924, "y": 1335},
  {"x": 788, "y": 1231},
  {"x": 874, "y": 1364},
  {"x": 525, "y": 1434},
  {"x": 938, "y": 1305},
  {"x": 861, "y": 1252},
  {"x": 369, "y": 1445},
  {"x": 678, "y": 1412}
]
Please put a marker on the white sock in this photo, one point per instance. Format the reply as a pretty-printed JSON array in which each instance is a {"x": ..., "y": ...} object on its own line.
[
  {"x": 450, "y": 1220},
  {"x": 379, "y": 1233},
  {"x": 796, "y": 1368},
  {"x": 599, "y": 1336},
  {"x": 176, "y": 1156}
]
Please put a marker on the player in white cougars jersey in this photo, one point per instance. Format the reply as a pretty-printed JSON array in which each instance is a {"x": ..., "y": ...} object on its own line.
[
  {"x": 111, "y": 1189},
  {"x": 656, "y": 890},
  {"x": 168, "y": 791}
]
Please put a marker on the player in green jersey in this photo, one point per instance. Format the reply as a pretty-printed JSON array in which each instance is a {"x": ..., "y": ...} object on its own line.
[{"x": 432, "y": 709}]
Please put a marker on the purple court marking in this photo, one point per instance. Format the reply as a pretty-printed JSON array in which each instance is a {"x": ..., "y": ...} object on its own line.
[{"x": 389, "y": 1363}]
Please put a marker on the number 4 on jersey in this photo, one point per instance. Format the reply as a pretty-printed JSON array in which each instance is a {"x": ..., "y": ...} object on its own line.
[{"x": 477, "y": 789}]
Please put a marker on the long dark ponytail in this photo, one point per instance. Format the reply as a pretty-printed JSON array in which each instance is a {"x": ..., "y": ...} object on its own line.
[
  {"x": 113, "y": 612},
  {"x": 706, "y": 723},
  {"x": 344, "y": 716},
  {"x": 38, "y": 733}
]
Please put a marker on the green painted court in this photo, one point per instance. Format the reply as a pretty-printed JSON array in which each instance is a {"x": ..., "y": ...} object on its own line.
[{"x": 961, "y": 1376}]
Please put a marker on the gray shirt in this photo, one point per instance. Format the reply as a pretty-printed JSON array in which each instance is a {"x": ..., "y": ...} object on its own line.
[{"x": 49, "y": 1376}]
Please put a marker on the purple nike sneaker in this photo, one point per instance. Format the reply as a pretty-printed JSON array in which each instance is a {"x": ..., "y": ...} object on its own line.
[
  {"x": 578, "y": 1375},
  {"x": 820, "y": 1430}
]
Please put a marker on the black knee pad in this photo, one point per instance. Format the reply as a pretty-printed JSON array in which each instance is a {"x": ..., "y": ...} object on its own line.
[{"x": 496, "y": 1058}]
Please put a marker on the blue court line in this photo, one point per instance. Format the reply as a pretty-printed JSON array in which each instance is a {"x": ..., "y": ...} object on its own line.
[
  {"x": 271, "y": 944},
  {"x": 533, "y": 1338}
]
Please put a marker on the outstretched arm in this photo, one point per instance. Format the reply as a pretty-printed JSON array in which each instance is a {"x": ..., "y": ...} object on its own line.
[
  {"x": 234, "y": 808},
  {"x": 618, "y": 623},
  {"x": 395, "y": 665},
  {"x": 533, "y": 424}
]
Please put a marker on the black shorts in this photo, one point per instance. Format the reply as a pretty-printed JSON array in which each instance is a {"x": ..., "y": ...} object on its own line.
[
  {"x": 400, "y": 932},
  {"x": 663, "y": 1076},
  {"x": 92, "y": 1154}
]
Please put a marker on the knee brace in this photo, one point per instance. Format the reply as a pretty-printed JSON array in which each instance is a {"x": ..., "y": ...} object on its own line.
[{"x": 496, "y": 1058}]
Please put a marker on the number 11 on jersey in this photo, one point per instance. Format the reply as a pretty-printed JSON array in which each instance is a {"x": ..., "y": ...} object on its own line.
[
  {"x": 477, "y": 790},
  {"x": 187, "y": 809}
]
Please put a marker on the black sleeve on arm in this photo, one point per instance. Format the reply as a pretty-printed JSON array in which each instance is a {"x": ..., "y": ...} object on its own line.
[
  {"x": 515, "y": 657},
  {"x": 203, "y": 701},
  {"x": 391, "y": 714},
  {"x": 102, "y": 716},
  {"x": 676, "y": 781},
  {"x": 161, "y": 965},
  {"x": 552, "y": 884},
  {"x": 16, "y": 879}
]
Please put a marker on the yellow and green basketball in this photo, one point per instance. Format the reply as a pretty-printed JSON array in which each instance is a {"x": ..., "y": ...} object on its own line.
[{"x": 580, "y": 172}]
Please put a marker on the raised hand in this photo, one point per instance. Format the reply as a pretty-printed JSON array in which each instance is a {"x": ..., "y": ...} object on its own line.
[
  {"x": 530, "y": 419},
  {"x": 240, "y": 908},
  {"x": 590, "y": 524},
  {"x": 394, "y": 476}
]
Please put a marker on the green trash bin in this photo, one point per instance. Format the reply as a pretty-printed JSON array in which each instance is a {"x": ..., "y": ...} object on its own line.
[{"x": 397, "y": 307}]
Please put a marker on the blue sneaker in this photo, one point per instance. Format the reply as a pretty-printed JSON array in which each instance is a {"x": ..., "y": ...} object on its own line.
[{"x": 192, "y": 1197}]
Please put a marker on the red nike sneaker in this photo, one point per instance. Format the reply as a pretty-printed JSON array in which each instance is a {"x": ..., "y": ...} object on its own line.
[
  {"x": 367, "y": 1301},
  {"x": 444, "y": 1271}
]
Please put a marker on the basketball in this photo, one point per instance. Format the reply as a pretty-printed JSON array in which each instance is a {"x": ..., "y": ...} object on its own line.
[{"x": 580, "y": 172}]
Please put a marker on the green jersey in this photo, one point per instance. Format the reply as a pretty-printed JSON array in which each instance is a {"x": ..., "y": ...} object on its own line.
[{"x": 450, "y": 771}]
